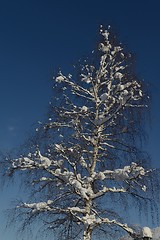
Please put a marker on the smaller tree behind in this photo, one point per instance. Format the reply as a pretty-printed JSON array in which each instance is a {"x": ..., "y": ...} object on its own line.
[{"x": 91, "y": 157}]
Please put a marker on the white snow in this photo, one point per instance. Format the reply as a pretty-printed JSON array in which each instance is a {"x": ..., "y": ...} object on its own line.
[
  {"x": 103, "y": 97},
  {"x": 84, "y": 108},
  {"x": 83, "y": 162},
  {"x": 40, "y": 206},
  {"x": 77, "y": 209},
  {"x": 59, "y": 78},
  {"x": 120, "y": 174},
  {"x": 118, "y": 75},
  {"x": 144, "y": 188},
  {"x": 24, "y": 162},
  {"x": 101, "y": 176},
  {"x": 43, "y": 179},
  {"x": 104, "y": 48},
  {"x": 43, "y": 161},
  {"x": 146, "y": 232},
  {"x": 59, "y": 147},
  {"x": 105, "y": 34},
  {"x": 89, "y": 219},
  {"x": 86, "y": 78}
]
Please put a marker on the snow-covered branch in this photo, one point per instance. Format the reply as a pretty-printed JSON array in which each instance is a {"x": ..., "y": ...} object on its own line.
[
  {"x": 124, "y": 226},
  {"x": 37, "y": 207},
  {"x": 130, "y": 172}
]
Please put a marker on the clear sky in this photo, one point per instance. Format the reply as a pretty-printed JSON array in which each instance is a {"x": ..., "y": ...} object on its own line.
[{"x": 37, "y": 37}]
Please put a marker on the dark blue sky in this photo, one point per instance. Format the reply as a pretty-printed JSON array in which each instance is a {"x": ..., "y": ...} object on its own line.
[{"x": 38, "y": 37}]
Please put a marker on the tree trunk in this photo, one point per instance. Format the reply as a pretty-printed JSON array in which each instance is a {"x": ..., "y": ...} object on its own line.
[
  {"x": 87, "y": 234},
  {"x": 88, "y": 227}
]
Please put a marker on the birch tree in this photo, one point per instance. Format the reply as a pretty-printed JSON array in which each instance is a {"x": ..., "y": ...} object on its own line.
[{"x": 91, "y": 162}]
